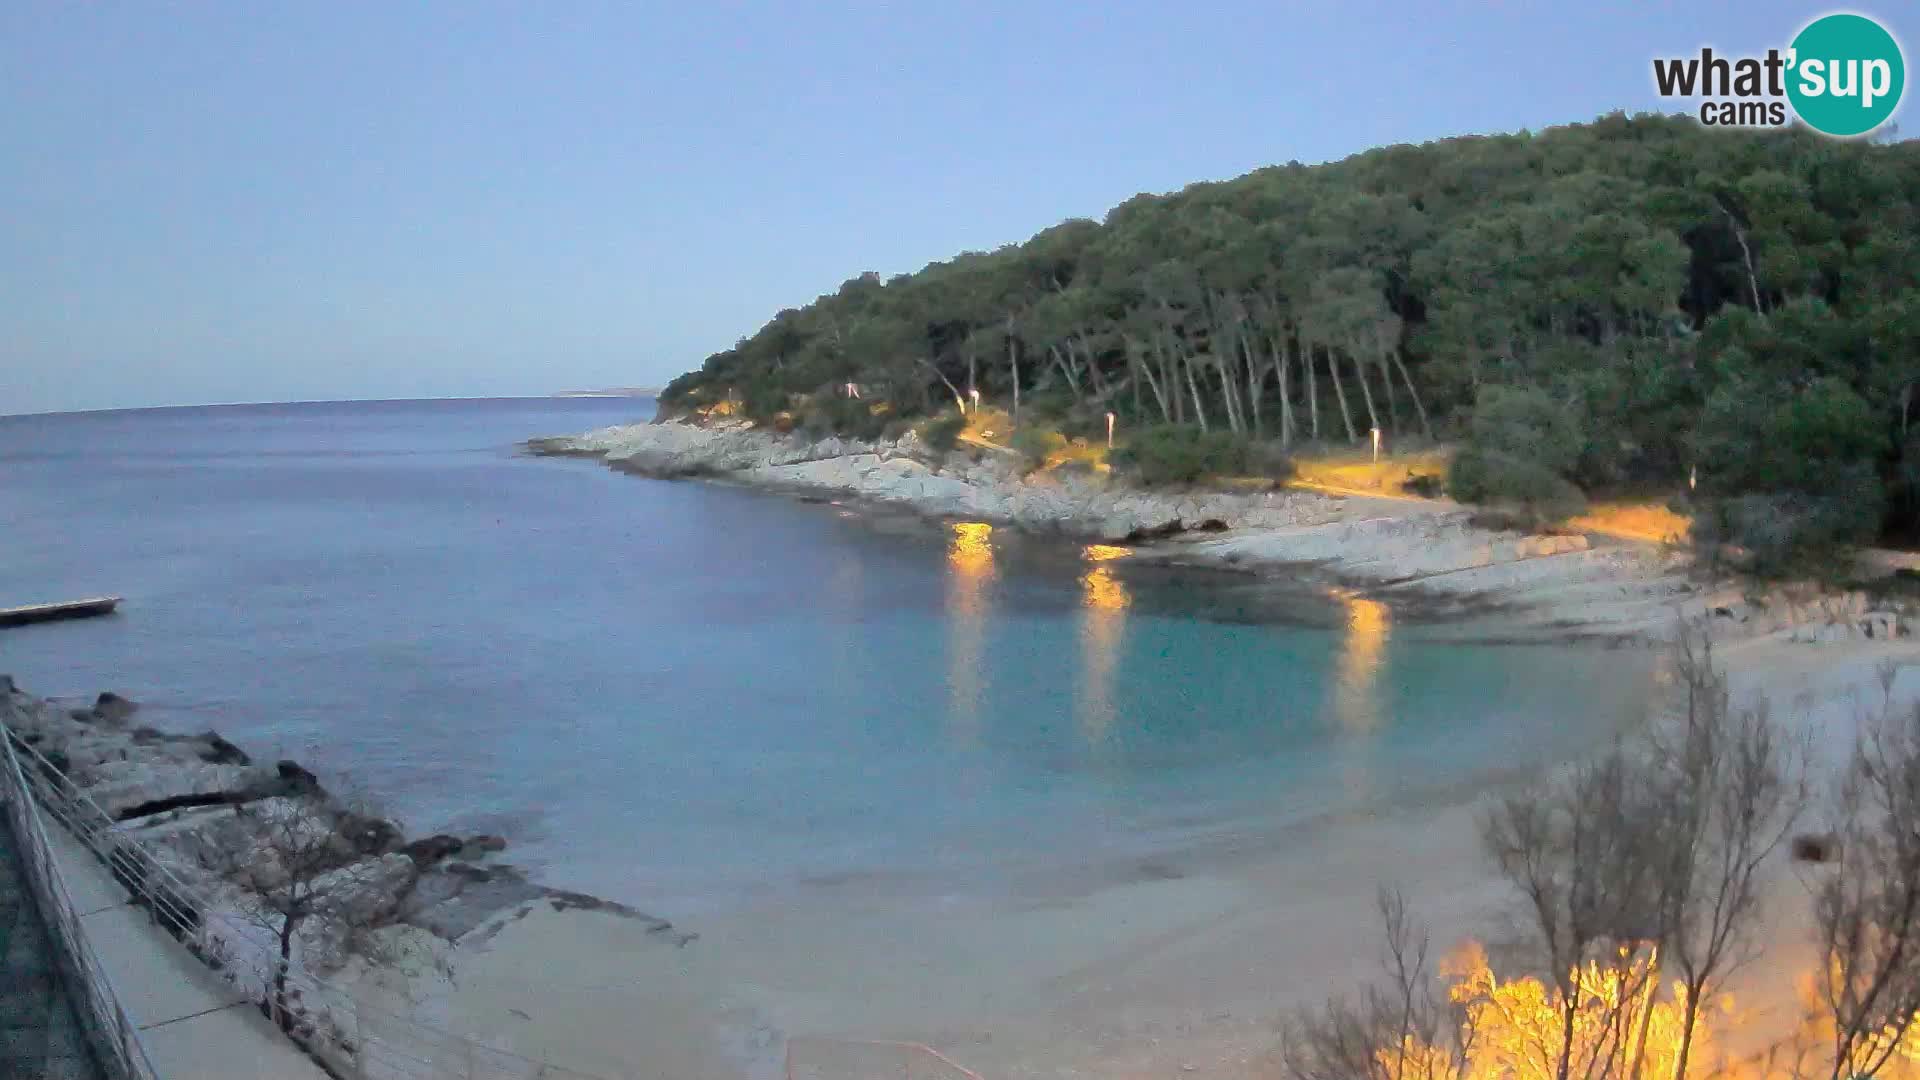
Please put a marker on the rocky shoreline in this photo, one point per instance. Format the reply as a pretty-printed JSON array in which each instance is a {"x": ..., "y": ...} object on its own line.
[
  {"x": 1442, "y": 557},
  {"x": 152, "y": 805}
]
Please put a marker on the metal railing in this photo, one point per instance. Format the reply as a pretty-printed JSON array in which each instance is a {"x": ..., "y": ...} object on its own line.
[
  {"x": 352, "y": 1037},
  {"x": 113, "y": 1033},
  {"x": 384, "y": 1045}
]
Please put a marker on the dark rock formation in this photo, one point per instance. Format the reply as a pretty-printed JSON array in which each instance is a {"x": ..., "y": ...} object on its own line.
[
  {"x": 429, "y": 850},
  {"x": 370, "y": 835},
  {"x": 145, "y": 777},
  {"x": 111, "y": 708},
  {"x": 298, "y": 779},
  {"x": 179, "y": 802}
]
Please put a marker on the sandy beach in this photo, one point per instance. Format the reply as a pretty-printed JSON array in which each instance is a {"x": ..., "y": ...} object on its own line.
[{"x": 1183, "y": 971}]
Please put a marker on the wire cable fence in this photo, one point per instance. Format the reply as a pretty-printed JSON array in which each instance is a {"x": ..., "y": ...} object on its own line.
[
  {"x": 814, "y": 1058},
  {"x": 110, "y": 1030},
  {"x": 350, "y": 1037}
]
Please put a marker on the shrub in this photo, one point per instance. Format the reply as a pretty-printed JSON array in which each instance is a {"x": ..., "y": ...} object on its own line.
[
  {"x": 942, "y": 433},
  {"x": 1521, "y": 447},
  {"x": 1786, "y": 534},
  {"x": 763, "y": 401},
  {"x": 1753, "y": 438},
  {"x": 1171, "y": 454},
  {"x": 1425, "y": 485},
  {"x": 1478, "y": 475},
  {"x": 1034, "y": 443},
  {"x": 1268, "y": 459},
  {"x": 1525, "y": 424},
  {"x": 851, "y": 417}
]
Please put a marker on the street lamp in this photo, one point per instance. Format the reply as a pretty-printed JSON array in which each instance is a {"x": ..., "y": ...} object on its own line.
[
  {"x": 1376, "y": 446},
  {"x": 1109, "y": 431},
  {"x": 976, "y": 400}
]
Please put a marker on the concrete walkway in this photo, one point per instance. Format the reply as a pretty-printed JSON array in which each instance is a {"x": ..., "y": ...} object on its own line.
[
  {"x": 40, "y": 1034},
  {"x": 193, "y": 1022}
]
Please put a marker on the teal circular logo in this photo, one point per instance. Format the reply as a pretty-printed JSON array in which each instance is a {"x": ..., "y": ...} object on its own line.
[{"x": 1847, "y": 74}]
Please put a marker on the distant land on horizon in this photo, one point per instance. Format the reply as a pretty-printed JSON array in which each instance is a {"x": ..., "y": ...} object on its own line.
[{"x": 616, "y": 391}]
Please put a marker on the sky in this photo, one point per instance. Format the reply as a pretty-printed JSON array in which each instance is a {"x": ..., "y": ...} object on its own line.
[{"x": 205, "y": 202}]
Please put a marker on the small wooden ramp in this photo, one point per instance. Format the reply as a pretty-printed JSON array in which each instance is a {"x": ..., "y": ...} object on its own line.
[{"x": 812, "y": 1058}]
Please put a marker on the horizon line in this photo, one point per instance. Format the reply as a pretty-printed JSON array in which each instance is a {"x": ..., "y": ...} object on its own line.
[{"x": 558, "y": 395}]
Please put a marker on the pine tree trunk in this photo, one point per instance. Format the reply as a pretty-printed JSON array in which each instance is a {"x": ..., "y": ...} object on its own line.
[
  {"x": 1386, "y": 378},
  {"x": 1066, "y": 369},
  {"x": 1256, "y": 376},
  {"x": 1339, "y": 391},
  {"x": 1094, "y": 374},
  {"x": 1143, "y": 372},
  {"x": 1227, "y": 395},
  {"x": 1282, "y": 360},
  {"x": 1199, "y": 410},
  {"x": 1313, "y": 394},
  {"x": 1414, "y": 392},
  {"x": 1366, "y": 391},
  {"x": 1013, "y": 361},
  {"x": 1169, "y": 378}
]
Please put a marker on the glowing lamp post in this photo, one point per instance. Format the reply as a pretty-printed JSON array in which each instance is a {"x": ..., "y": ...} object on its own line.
[
  {"x": 1109, "y": 431},
  {"x": 976, "y": 401},
  {"x": 1376, "y": 446}
]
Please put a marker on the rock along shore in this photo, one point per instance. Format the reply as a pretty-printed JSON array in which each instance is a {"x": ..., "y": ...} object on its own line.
[
  {"x": 167, "y": 797},
  {"x": 1435, "y": 552}
]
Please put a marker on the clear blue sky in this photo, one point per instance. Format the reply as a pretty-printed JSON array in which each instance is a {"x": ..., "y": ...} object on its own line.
[{"x": 245, "y": 202}]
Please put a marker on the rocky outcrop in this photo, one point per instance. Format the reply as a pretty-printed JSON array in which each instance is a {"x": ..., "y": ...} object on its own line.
[
  {"x": 974, "y": 483},
  {"x": 1556, "y": 584},
  {"x": 156, "y": 782},
  {"x": 175, "y": 798}
]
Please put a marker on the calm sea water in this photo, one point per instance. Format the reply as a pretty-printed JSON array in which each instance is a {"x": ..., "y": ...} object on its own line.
[{"x": 681, "y": 694}]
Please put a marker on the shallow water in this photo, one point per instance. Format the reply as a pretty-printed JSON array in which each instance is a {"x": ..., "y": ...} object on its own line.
[{"x": 682, "y": 694}]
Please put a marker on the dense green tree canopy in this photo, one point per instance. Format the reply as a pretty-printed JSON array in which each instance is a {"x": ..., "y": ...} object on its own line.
[{"x": 1736, "y": 305}]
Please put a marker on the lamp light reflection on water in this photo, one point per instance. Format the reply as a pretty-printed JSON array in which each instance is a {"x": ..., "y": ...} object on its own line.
[
  {"x": 1104, "y": 601},
  {"x": 970, "y": 570},
  {"x": 1356, "y": 686},
  {"x": 1356, "y": 679}
]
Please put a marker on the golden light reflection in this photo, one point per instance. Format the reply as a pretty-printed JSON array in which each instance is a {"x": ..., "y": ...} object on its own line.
[
  {"x": 970, "y": 569},
  {"x": 1104, "y": 599},
  {"x": 1369, "y": 622},
  {"x": 970, "y": 552}
]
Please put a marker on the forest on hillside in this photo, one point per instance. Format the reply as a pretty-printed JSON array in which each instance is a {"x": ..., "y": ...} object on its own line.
[{"x": 1637, "y": 304}]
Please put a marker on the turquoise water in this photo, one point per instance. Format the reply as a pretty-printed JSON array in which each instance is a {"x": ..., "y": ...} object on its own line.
[{"x": 683, "y": 694}]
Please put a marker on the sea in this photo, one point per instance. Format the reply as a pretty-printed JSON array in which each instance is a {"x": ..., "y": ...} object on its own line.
[{"x": 688, "y": 695}]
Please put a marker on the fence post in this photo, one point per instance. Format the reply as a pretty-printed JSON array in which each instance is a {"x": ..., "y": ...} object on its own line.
[{"x": 359, "y": 1042}]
